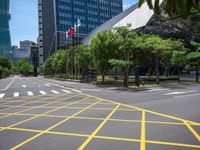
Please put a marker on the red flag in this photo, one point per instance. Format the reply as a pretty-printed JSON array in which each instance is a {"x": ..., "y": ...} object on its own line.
[
  {"x": 72, "y": 31},
  {"x": 69, "y": 33}
]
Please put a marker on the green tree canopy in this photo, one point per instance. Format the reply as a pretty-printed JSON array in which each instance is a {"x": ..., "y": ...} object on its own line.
[
  {"x": 58, "y": 61},
  {"x": 194, "y": 59},
  {"x": 24, "y": 68},
  {"x": 104, "y": 47}
]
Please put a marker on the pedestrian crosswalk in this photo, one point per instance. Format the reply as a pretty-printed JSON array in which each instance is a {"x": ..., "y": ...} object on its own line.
[
  {"x": 16, "y": 94},
  {"x": 6, "y": 94},
  {"x": 30, "y": 93},
  {"x": 2, "y": 95},
  {"x": 55, "y": 92},
  {"x": 168, "y": 92},
  {"x": 66, "y": 91},
  {"x": 43, "y": 92}
]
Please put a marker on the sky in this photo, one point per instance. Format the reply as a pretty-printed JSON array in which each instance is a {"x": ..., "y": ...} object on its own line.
[{"x": 24, "y": 19}]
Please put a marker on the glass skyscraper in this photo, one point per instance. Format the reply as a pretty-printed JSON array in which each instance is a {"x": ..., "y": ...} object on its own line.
[
  {"x": 5, "y": 41},
  {"x": 57, "y": 16}
]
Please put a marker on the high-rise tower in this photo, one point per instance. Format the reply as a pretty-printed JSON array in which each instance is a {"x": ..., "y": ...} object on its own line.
[{"x": 5, "y": 41}]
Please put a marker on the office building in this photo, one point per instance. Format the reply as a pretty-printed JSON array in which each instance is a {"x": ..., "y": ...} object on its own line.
[
  {"x": 58, "y": 16},
  {"x": 26, "y": 44},
  {"x": 136, "y": 17},
  {"x": 23, "y": 52},
  {"x": 5, "y": 41}
]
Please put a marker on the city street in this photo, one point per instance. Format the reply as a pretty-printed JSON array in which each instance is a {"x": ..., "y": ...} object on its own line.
[{"x": 46, "y": 114}]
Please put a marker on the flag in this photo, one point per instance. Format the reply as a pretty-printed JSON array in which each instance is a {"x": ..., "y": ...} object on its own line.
[
  {"x": 78, "y": 23},
  {"x": 68, "y": 33},
  {"x": 72, "y": 31},
  {"x": 75, "y": 28}
]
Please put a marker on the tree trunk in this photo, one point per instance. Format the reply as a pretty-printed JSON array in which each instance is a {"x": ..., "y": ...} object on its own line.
[
  {"x": 179, "y": 73},
  {"x": 103, "y": 75},
  {"x": 150, "y": 72},
  {"x": 197, "y": 73},
  {"x": 126, "y": 71},
  {"x": 157, "y": 71},
  {"x": 137, "y": 77}
]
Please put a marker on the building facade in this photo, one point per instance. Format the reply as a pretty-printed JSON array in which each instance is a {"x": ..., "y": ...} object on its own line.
[
  {"x": 58, "y": 16},
  {"x": 23, "y": 52},
  {"x": 5, "y": 41}
]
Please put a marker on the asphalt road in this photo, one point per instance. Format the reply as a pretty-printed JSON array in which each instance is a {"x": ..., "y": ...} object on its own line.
[{"x": 44, "y": 114}]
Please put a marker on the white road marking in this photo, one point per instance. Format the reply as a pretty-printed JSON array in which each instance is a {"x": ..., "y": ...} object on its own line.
[
  {"x": 16, "y": 94},
  {"x": 66, "y": 91},
  {"x": 2, "y": 95},
  {"x": 155, "y": 90},
  {"x": 24, "y": 86},
  {"x": 95, "y": 90},
  {"x": 47, "y": 85},
  {"x": 190, "y": 95},
  {"x": 53, "y": 91},
  {"x": 76, "y": 91},
  {"x": 43, "y": 93},
  {"x": 181, "y": 92},
  {"x": 30, "y": 93}
]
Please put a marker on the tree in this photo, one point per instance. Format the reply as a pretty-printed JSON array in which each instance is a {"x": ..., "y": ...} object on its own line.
[
  {"x": 83, "y": 57},
  {"x": 125, "y": 37},
  {"x": 160, "y": 48},
  {"x": 194, "y": 59},
  {"x": 5, "y": 66},
  {"x": 24, "y": 68},
  {"x": 5, "y": 63},
  {"x": 48, "y": 67},
  {"x": 103, "y": 48},
  {"x": 179, "y": 58},
  {"x": 58, "y": 62},
  {"x": 180, "y": 7}
]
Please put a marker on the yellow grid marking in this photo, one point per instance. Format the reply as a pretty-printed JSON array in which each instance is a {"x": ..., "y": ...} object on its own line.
[
  {"x": 92, "y": 118},
  {"x": 32, "y": 138},
  {"x": 143, "y": 136},
  {"x": 71, "y": 107},
  {"x": 98, "y": 128},
  {"x": 193, "y": 131},
  {"x": 25, "y": 104},
  {"x": 106, "y": 137},
  {"x": 26, "y": 97},
  {"x": 148, "y": 111},
  {"x": 97, "y": 100},
  {"x": 39, "y": 115},
  {"x": 31, "y": 108}
]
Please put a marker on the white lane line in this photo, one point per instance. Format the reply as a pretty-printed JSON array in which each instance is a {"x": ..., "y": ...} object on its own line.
[
  {"x": 24, "y": 86},
  {"x": 47, "y": 85},
  {"x": 16, "y": 94},
  {"x": 76, "y": 91},
  {"x": 155, "y": 91},
  {"x": 94, "y": 90},
  {"x": 190, "y": 95},
  {"x": 2, "y": 95},
  {"x": 30, "y": 93},
  {"x": 53, "y": 91},
  {"x": 43, "y": 93},
  {"x": 66, "y": 91},
  {"x": 181, "y": 92}
]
